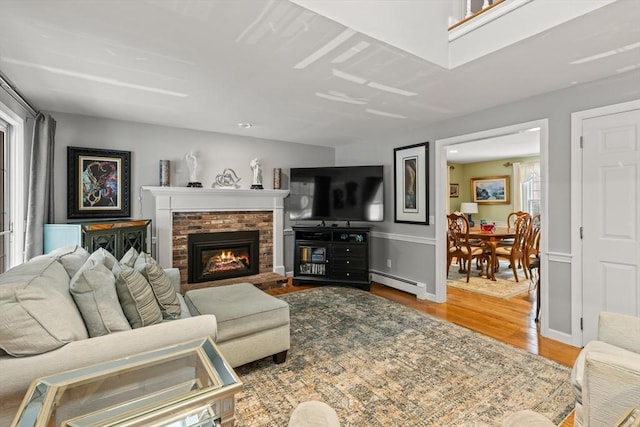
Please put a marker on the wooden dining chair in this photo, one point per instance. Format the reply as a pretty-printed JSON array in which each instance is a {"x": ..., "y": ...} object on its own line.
[
  {"x": 514, "y": 253},
  {"x": 531, "y": 252},
  {"x": 459, "y": 245},
  {"x": 511, "y": 221}
]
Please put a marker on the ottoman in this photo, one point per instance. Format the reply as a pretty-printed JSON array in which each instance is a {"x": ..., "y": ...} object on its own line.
[{"x": 251, "y": 323}]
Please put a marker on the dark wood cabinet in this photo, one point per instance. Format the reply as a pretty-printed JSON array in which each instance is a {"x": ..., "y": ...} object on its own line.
[
  {"x": 116, "y": 237},
  {"x": 332, "y": 255}
]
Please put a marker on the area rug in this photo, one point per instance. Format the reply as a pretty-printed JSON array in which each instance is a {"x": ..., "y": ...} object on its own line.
[
  {"x": 378, "y": 363},
  {"x": 505, "y": 286}
]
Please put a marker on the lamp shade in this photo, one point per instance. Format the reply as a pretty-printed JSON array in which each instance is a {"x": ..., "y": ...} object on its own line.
[{"x": 469, "y": 208}]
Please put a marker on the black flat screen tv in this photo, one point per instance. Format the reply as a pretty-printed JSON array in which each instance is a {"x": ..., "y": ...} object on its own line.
[{"x": 337, "y": 193}]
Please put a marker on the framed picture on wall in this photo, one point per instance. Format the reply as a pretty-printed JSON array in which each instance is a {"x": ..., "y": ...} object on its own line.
[
  {"x": 454, "y": 190},
  {"x": 98, "y": 183},
  {"x": 411, "y": 184},
  {"x": 490, "y": 190}
]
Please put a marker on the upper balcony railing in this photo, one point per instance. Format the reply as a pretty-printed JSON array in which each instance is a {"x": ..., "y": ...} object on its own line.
[{"x": 473, "y": 9}]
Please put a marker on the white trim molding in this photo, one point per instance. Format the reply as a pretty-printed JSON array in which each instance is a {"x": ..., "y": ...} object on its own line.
[
  {"x": 404, "y": 238},
  {"x": 442, "y": 193},
  {"x": 169, "y": 200}
]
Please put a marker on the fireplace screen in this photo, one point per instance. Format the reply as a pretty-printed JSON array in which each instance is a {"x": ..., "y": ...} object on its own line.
[{"x": 215, "y": 256}]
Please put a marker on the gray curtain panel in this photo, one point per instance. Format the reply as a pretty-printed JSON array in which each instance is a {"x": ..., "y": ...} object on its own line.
[{"x": 40, "y": 209}]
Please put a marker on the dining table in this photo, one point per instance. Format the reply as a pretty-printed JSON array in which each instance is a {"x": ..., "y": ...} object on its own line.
[{"x": 492, "y": 239}]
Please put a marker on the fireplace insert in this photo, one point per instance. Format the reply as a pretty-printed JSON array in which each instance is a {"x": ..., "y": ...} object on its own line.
[{"x": 222, "y": 255}]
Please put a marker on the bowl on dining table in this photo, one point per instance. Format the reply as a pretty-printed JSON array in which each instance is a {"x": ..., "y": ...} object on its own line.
[{"x": 488, "y": 227}]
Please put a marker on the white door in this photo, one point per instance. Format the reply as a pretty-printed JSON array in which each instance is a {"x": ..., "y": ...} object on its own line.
[{"x": 610, "y": 217}]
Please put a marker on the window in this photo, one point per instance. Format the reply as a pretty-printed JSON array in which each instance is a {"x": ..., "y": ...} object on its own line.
[
  {"x": 12, "y": 190},
  {"x": 531, "y": 195}
]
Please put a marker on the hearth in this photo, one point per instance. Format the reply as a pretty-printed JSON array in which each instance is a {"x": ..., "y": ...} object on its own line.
[{"x": 221, "y": 255}]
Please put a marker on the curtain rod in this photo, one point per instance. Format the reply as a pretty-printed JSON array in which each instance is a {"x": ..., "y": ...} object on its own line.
[{"x": 10, "y": 89}]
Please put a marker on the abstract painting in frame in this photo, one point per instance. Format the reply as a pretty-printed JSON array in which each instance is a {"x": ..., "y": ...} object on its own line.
[
  {"x": 411, "y": 184},
  {"x": 490, "y": 190},
  {"x": 98, "y": 183}
]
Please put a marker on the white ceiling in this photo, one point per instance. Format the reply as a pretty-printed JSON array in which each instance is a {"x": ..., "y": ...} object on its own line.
[{"x": 209, "y": 65}]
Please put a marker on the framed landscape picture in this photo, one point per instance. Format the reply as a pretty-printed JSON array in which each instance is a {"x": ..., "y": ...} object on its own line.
[
  {"x": 454, "y": 190},
  {"x": 98, "y": 183},
  {"x": 411, "y": 184},
  {"x": 490, "y": 190}
]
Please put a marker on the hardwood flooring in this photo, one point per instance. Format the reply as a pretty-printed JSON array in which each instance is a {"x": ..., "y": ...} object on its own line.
[{"x": 507, "y": 320}]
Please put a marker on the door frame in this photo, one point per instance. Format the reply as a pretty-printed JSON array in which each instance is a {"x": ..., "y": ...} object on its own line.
[
  {"x": 576, "y": 208},
  {"x": 442, "y": 193}
]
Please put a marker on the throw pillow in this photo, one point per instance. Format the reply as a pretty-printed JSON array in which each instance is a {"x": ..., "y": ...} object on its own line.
[
  {"x": 129, "y": 258},
  {"x": 72, "y": 258},
  {"x": 104, "y": 257},
  {"x": 37, "y": 313},
  {"x": 160, "y": 284},
  {"x": 136, "y": 297},
  {"x": 94, "y": 290}
]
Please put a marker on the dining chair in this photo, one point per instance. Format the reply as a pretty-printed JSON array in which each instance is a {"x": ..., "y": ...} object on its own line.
[
  {"x": 511, "y": 220},
  {"x": 514, "y": 253},
  {"x": 459, "y": 245},
  {"x": 531, "y": 252}
]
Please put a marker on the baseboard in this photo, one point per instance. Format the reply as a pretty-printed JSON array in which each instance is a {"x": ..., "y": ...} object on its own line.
[{"x": 418, "y": 289}]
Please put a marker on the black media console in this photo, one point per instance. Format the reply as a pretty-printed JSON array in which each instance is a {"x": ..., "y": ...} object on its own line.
[{"x": 332, "y": 255}]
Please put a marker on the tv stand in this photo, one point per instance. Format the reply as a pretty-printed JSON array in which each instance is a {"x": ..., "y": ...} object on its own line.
[{"x": 332, "y": 255}]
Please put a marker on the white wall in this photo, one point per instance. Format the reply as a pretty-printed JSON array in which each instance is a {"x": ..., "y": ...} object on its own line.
[{"x": 557, "y": 107}]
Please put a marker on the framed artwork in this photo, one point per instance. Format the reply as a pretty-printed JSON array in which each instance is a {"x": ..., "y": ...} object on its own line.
[
  {"x": 490, "y": 190},
  {"x": 98, "y": 183},
  {"x": 454, "y": 190},
  {"x": 411, "y": 184}
]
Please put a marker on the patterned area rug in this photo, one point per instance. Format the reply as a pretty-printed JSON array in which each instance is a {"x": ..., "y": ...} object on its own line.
[
  {"x": 505, "y": 285},
  {"x": 378, "y": 363}
]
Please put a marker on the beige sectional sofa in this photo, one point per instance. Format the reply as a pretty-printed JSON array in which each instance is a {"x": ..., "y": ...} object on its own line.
[{"x": 54, "y": 317}]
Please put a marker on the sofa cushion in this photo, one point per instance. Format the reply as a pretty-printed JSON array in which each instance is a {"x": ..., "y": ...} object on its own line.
[
  {"x": 129, "y": 258},
  {"x": 72, "y": 258},
  {"x": 184, "y": 310},
  {"x": 136, "y": 297},
  {"x": 240, "y": 309},
  {"x": 94, "y": 290},
  {"x": 160, "y": 284},
  {"x": 577, "y": 373},
  {"x": 37, "y": 313}
]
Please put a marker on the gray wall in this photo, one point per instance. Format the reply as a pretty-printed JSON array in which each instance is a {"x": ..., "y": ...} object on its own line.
[
  {"x": 217, "y": 151},
  {"x": 149, "y": 144},
  {"x": 557, "y": 108}
]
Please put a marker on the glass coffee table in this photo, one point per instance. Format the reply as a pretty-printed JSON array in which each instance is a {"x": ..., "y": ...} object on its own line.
[{"x": 185, "y": 385}]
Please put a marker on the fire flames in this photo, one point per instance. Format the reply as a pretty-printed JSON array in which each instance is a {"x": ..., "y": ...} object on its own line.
[{"x": 226, "y": 261}]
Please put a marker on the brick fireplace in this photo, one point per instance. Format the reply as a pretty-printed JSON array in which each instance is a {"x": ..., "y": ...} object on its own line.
[
  {"x": 187, "y": 224},
  {"x": 182, "y": 211}
]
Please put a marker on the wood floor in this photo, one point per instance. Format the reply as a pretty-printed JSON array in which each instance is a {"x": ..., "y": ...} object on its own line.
[{"x": 507, "y": 320}]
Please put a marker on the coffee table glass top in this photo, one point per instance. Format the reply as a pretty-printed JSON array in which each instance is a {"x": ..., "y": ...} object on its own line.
[{"x": 180, "y": 385}]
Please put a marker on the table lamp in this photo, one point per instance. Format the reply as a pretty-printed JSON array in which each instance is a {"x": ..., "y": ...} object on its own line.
[{"x": 469, "y": 208}]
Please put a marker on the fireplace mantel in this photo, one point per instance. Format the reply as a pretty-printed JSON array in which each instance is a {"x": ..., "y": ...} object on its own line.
[{"x": 169, "y": 200}]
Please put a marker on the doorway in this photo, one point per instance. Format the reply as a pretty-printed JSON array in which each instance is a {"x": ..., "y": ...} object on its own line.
[{"x": 442, "y": 194}]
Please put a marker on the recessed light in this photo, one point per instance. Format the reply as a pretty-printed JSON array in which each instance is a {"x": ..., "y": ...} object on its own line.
[{"x": 244, "y": 125}]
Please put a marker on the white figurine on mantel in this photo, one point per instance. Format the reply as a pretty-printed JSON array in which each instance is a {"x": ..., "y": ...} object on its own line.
[
  {"x": 257, "y": 174},
  {"x": 192, "y": 165}
]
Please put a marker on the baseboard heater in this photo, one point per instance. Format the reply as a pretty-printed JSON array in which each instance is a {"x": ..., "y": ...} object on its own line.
[
  {"x": 411, "y": 286},
  {"x": 401, "y": 283}
]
